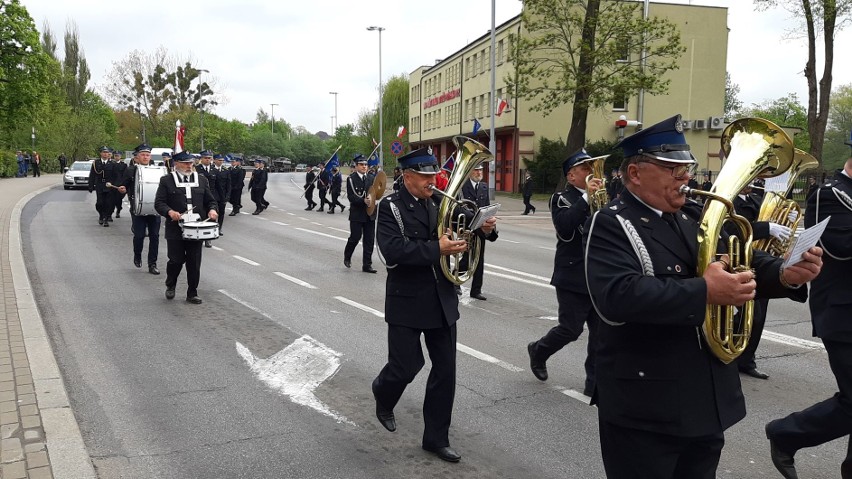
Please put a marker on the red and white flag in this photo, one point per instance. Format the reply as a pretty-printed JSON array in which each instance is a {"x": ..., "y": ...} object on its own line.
[
  {"x": 502, "y": 104},
  {"x": 179, "y": 131},
  {"x": 400, "y": 132}
]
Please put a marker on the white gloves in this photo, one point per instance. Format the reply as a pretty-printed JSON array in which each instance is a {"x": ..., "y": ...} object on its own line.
[
  {"x": 779, "y": 231},
  {"x": 792, "y": 216}
]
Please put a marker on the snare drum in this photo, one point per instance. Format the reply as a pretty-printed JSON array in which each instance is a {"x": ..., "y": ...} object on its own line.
[
  {"x": 200, "y": 230},
  {"x": 147, "y": 181}
]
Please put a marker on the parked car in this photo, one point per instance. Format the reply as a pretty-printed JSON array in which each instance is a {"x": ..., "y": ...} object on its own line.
[
  {"x": 301, "y": 167},
  {"x": 77, "y": 176}
]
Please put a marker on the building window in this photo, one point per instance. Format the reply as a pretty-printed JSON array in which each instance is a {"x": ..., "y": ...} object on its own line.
[
  {"x": 500, "y": 52},
  {"x": 622, "y": 46},
  {"x": 467, "y": 68},
  {"x": 620, "y": 101},
  {"x": 482, "y": 64}
]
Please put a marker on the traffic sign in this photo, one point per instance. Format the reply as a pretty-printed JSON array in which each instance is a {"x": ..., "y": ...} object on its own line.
[{"x": 396, "y": 148}]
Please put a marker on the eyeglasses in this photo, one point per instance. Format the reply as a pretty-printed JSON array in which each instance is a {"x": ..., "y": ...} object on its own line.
[{"x": 679, "y": 171}]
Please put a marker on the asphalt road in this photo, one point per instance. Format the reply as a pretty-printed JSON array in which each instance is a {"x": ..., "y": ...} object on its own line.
[{"x": 270, "y": 377}]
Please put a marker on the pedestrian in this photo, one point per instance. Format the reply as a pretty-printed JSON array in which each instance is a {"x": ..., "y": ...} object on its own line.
[
  {"x": 174, "y": 202},
  {"x": 27, "y": 161},
  {"x": 101, "y": 175},
  {"x": 63, "y": 162},
  {"x": 419, "y": 302},
  {"x": 237, "y": 182},
  {"x": 310, "y": 185},
  {"x": 397, "y": 178},
  {"x": 829, "y": 304},
  {"x": 813, "y": 187},
  {"x": 361, "y": 224},
  {"x": 527, "y": 190},
  {"x": 336, "y": 189},
  {"x": 257, "y": 186},
  {"x": 569, "y": 210},
  {"x": 664, "y": 399},
  {"x": 19, "y": 156},
  {"x": 707, "y": 184},
  {"x": 36, "y": 160},
  {"x": 142, "y": 225},
  {"x": 120, "y": 168},
  {"x": 477, "y": 191},
  {"x": 323, "y": 183},
  {"x": 223, "y": 188}
]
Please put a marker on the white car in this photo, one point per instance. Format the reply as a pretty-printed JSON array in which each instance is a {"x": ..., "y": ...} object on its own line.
[{"x": 78, "y": 175}]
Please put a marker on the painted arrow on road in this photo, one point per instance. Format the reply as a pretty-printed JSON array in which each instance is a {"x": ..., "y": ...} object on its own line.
[{"x": 297, "y": 370}]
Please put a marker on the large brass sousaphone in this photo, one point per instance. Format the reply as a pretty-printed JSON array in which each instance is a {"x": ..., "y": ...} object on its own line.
[{"x": 754, "y": 147}]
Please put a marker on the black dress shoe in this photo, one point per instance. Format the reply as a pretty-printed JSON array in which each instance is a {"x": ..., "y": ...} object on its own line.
[
  {"x": 445, "y": 453},
  {"x": 782, "y": 461},
  {"x": 106, "y": 224},
  {"x": 538, "y": 368},
  {"x": 331, "y": 212},
  {"x": 309, "y": 208},
  {"x": 118, "y": 214},
  {"x": 256, "y": 212},
  {"x": 755, "y": 373},
  {"x": 170, "y": 293},
  {"x": 152, "y": 268},
  {"x": 233, "y": 213},
  {"x": 193, "y": 300},
  {"x": 137, "y": 263},
  {"x": 478, "y": 296},
  {"x": 384, "y": 415},
  {"x": 208, "y": 244},
  {"x": 109, "y": 219},
  {"x": 347, "y": 263},
  {"x": 100, "y": 221},
  {"x": 368, "y": 269},
  {"x": 458, "y": 290}
]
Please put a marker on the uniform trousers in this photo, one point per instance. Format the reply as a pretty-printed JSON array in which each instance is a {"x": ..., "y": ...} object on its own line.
[
  {"x": 220, "y": 207},
  {"x": 358, "y": 229},
  {"x": 575, "y": 309},
  {"x": 824, "y": 421},
  {"x": 118, "y": 200},
  {"x": 476, "y": 283},
  {"x": 746, "y": 359},
  {"x": 147, "y": 225},
  {"x": 335, "y": 201},
  {"x": 322, "y": 197},
  {"x": 405, "y": 359},
  {"x": 182, "y": 251},
  {"x": 257, "y": 197},
  {"x": 636, "y": 454},
  {"x": 237, "y": 197},
  {"x": 309, "y": 195},
  {"x": 104, "y": 203}
]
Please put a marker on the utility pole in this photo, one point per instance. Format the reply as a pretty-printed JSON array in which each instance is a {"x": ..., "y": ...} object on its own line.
[
  {"x": 273, "y": 105},
  {"x": 381, "y": 109},
  {"x": 335, "y": 123}
]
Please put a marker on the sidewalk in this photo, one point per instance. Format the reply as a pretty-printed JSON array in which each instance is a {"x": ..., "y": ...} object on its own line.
[{"x": 39, "y": 436}]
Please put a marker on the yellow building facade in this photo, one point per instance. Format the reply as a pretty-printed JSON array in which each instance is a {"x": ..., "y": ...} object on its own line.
[{"x": 447, "y": 97}]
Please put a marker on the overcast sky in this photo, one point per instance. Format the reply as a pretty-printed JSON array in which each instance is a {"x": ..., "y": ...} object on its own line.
[{"x": 294, "y": 53}]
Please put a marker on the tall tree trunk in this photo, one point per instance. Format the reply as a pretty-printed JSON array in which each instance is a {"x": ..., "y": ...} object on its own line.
[
  {"x": 580, "y": 111},
  {"x": 819, "y": 94}
]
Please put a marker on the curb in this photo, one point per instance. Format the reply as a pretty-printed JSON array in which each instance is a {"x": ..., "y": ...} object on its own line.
[{"x": 65, "y": 447}]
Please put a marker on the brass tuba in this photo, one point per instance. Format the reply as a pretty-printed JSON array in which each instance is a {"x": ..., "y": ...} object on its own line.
[
  {"x": 599, "y": 198},
  {"x": 754, "y": 147},
  {"x": 471, "y": 154},
  {"x": 776, "y": 208}
]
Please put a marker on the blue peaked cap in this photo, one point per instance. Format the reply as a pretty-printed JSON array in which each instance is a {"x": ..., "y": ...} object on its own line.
[
  {"x": 183, "y": 156},
  {"x": 206, "y": 153},
  {"x": 574, "y": 160},
  {"x": 359, "y": 158},
  {"x": 663, "y": 141},
  {"x": 421, "y": 161}
]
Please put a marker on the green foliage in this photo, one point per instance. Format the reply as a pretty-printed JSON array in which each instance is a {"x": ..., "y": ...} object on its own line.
[
  {"x": 606, "y": 147},
  {"x": 733, "y": 105},
  {"x": 836, "y": 152},
  {"x": 546, "y": 169},
  {"x": 785, "y": 111},
  {"x": 8, "y": 164}
]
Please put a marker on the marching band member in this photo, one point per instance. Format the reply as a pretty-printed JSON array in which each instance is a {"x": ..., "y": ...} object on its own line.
[
  {"x": 336, "y": 189},
  {"x": 171, "y": 202},
  {"x": 477, "y": 191},
  {"x": 206, "y": 169},
  {"x": 570, "y": 210},
  {"x": 222, "y": 188},
  {"x": 120, "y": 168},
  {"x": 257, "y": 186},
  {"x": 310, "y": 186},
  {"x": 830, "y": 304},
  {"x": 419, "y": 302},
  {"x": 237, "y": 181},
  {"x": 103, "y": 172},
  {"x": 323, "y": 182},
  {"x": 664, "y": 400},
  {"x": 361, "y": 224},
  {"x": 141, "y": 223}
]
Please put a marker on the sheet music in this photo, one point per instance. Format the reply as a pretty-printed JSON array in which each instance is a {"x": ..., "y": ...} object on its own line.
[
  {"x": 482, "y": 215},
  {"x": 807, "y": 240},
  {"x": 777, "y": 184}
]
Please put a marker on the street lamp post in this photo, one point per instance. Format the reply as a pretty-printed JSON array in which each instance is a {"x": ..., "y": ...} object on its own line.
[
  {"x": 381, "y": 110},
  {"x": 492, "y": 142},
  {"x": 201, "y": 104},
  {"x": 273, "y": 105},
  {"x": 334, "y": 124}
]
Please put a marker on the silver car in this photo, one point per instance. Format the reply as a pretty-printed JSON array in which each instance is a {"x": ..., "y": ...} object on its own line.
[{"x": 78, "y": 175}]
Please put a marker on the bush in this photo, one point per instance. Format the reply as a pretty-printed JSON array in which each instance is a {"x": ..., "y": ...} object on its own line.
[
  {"x": 8, "y": 164},
  {"x": 546, "y": 169}
]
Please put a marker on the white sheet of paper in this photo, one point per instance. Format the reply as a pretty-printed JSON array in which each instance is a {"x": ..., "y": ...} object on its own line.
[
  {"x": 777, "y": 184},
  {"x": 482, "y": 215},
  {"x": 807, "y": 240}
]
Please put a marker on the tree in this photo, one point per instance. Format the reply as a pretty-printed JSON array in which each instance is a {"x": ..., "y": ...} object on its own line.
[
  {"x": 816, "y": 16},
  {"x": 589, "y": 53},
  {"x": 75, "y": 69},
  {"x": 733, "y": 105},
  {"x": 786, "y": 111},
  {"x": 839, "y": 129}
]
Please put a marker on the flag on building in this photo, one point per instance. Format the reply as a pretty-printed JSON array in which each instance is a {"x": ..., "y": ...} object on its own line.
[
  {"x": 476, "y": 126},
  {"x": 502, "y": 104},
  {"x": 400, "y": 132},
  {"x": 179, "y": 132},
  {"x": 334, "y": 162}
]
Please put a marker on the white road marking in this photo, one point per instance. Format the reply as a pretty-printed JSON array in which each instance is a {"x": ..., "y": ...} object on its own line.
[
  {"x": 244, "y": 213},
  {"x": 280, "y": 223},
  {"x": 218, "y": 248},
  {"x": 509, "y": 241},
  {"x": 295, "y": 280},
  {"x": 247, "y": 305},
  {"x": 262, "y": 218},
  {"x": 315, "y": 223},
  {"x": 303, "y": 218},
  {"x": 338, "y": 229},
  {"x": 485, "y": 357},
  {"x": 791, "y": 340},
  {"x": 322, "y": 234},
  {"x": 549, "y": 248},
  {"x": 549, "y": 318},
  {"x": 360, "y": 306},
  {"x": 246, "y": 260},
  {"x": 296, "y": 371},
  {"x": 520, "y": 280},
  {"x": 576, "y": 395},
  {"x": 520, "y": 273},
  {"x": 291, "y": 214}
]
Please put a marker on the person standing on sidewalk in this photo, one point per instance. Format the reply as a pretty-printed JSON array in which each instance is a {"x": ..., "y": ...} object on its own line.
[
  {"x": 569, "y": 211},
  {"x": 36, "y": 164},
  {"x": 63, "y": 162},
  {"x": 141, "y": 223},
  {"x": 527, "y": 192},
  {"x": 102, "y": 172},
  {"x": 171, "y": 202}
]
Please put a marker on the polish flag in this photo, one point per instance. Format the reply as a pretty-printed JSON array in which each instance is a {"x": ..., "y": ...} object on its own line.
[
  {"x": 502, "y": 105},
  {"x": 400, "y": 132},
  {"x": 179, "y": 131}
]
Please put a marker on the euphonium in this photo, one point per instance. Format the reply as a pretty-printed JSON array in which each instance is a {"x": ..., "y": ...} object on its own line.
[
  {"x": 753, "y": 147},
  {"x": 470, "y": 155},
  {"x": 776, "y": 208},
  {"x": 600, "y": 197}
]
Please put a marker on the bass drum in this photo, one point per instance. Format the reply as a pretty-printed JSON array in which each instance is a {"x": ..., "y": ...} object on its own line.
[{"x": 147, "y": 181}]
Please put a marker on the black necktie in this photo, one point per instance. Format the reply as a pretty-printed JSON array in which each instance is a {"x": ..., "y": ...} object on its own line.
[
  {"x": 672, "y": 222},
  {"x": 185, "y": 179}
]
